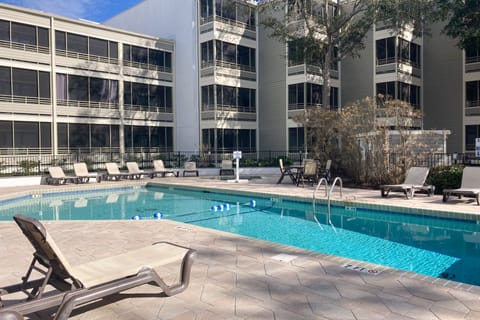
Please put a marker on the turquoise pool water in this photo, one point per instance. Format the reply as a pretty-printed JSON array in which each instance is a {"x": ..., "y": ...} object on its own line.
[{"x": 440, "y": 248}]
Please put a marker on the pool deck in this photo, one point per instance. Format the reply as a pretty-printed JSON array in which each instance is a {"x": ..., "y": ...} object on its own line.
[{"x": 236, "y": 277}]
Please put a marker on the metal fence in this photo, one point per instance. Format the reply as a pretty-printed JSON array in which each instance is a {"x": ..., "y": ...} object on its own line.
[{"x": 21, "y": 165}]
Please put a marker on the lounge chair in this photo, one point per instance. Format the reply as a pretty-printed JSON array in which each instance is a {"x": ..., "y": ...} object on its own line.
[
  {"x": 159, "y": 169},
  {"x": 113, "y": 173},
  {"x": 190, "y": 167},
  {"x": 226, "y": 168},
  {"x": 135, "y": 171},
  {"x": 414, "y": 182},
  {"x": 470, "y": 186},
  {"x": 84, "y": 283},
  {"x": 81, "y": 171},
  {"x": 285, "y": 171},
  {"x": 57, "y": 176}
]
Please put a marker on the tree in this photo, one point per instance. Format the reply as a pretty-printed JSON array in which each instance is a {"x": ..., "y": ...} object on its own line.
[
  {"x": 322, "y": 31},
  {"x": 463, "y": 21},
  {"x": 372, "y": 142}
]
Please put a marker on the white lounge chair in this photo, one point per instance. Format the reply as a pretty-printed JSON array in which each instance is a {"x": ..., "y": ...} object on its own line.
[
  {"x": 159, "y": 169},
  {"x": 414, "y": 181},
  {"x": 57, "y": 176}
]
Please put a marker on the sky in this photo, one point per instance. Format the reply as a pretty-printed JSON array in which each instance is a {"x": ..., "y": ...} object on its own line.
[{"x": 93, "y": 10}]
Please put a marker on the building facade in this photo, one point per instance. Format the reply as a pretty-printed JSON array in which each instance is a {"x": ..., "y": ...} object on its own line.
[
  {"x": 75, "y": 86},
  {"x": 216, "y": 78},
  {"x": 219, "y": 83}
]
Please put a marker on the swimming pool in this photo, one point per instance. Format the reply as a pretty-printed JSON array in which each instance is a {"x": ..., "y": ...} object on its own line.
[{"x": 442, "y": 248}]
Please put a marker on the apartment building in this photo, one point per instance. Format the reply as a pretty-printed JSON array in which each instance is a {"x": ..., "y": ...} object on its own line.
[
  {"x": 219, "y": 83},
  {"x": 216, "y": 71},
  {"x": 70, "y": 85},
  {"x": 289, "y": 84}
]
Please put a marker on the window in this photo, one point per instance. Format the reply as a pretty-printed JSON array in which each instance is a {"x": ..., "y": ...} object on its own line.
[
  {"x": 296, "y": 139},
  {"x": 79, "y": 135},
  {"x": 385, "y": 50},
  {"x": 43, "y": 37},
  {"x": 206, "y": 9},
  {"x": 98, "y": 47},
  {"x": 45, "y": 135},
  {"x": 24, "y": 82},
  {"x": 26, "y": 134},
  {"x": 472, "y": 51},
  {"x": 208, "y": 100},
  {"x": 473, "y": 93},
  {"x": 4, "y": 30},
  {"x": 44, "y": 84},
  {"x": 471, "y": 133},
  {"x": 113, "y": 46},
  {"x": 207, "y": 53},
  {"x": 314, "y": 94},
  {"x": 77, "y": 43},
  {"x": 140, "y": 94},
  {"x": 5, "y": 81},
  {"x": 23, "y": 33},
  {"x": 6, "y": 134},
  {"x": 386, "y": 89},
  {"x": 77, "y": 88},
  {"x": 296, "y": 96},
  {"x": 139, "y": 54},
  {"x": 99, "y": 90},
  {"x": 333, "y": 97},
  {"x": 100, "y": 136},
  {"x": 408, "y": 52},
  {"x": 60, "y": 40}
]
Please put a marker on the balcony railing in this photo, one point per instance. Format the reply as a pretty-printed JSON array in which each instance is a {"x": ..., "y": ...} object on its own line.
[
  {"x": 25, "y": 100},
  {"x": 24, "y": 47},
  {"x": 87, "y": 104},
  {"x": 86, "y": 56}
]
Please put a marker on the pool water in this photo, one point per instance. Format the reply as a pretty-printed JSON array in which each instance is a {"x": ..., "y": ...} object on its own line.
[{"x": 442, "y": 248}]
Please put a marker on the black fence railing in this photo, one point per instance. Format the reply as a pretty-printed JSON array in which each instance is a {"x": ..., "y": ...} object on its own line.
[{"x": 25, "y": 164}]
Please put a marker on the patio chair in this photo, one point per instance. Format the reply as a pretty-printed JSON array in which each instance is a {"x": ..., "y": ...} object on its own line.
[
  {"x": 285, "y": 171},
  {"x": 227, "y": 168},
  {"x": 414, "y": 182},
  {"x": 57, "y": 176},
  {"x": 308, "y": 173},
  {"x": 190, "y": 167},
  {"x": 113, "y": 172},
  {"x": 470, "y": 186},
  {"x": 325, "y": 172},
  {"x": 81, "y": 171},
  {"x": 80, "y": 284},
  {"x": 159, "y": 169},
  {"x": 135, "y": 171}
]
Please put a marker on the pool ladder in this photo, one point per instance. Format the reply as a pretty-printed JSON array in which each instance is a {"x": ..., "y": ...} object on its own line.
[{"x": 328, "y": 192}]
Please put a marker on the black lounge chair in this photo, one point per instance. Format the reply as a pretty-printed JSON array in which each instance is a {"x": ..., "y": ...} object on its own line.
[
  {"x": 414, "y": 182},
  {"x": 84, "y": 283},
  {"x": 470, "y": 186}
]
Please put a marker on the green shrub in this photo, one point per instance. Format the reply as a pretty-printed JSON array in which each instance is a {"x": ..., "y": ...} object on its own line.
[{"x": 445, "y": 177}]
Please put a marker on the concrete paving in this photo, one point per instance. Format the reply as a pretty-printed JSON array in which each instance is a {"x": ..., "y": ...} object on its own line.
[{"x": 236, "y": 277}]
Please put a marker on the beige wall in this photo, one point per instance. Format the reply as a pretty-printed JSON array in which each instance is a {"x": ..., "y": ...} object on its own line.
[{"x": 443, "y": 87}]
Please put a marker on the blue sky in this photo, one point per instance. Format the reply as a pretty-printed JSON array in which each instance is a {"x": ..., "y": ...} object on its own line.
[{"x": 94, "y": 10}]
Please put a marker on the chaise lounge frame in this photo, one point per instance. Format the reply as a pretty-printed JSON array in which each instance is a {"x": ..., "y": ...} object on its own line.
[
  {"x": 79, "y": 285},
  {"x": 414, "y": 182},
  {"x": 470, "y": 186}
]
